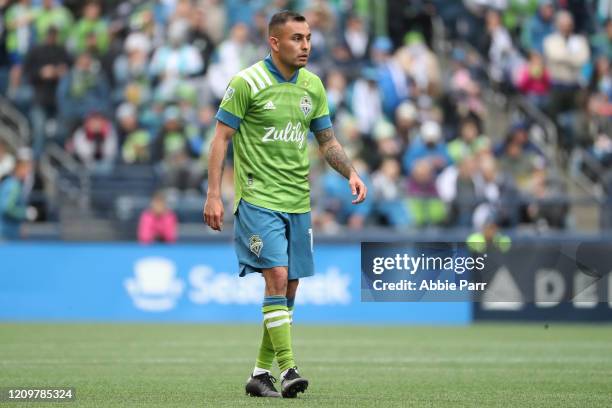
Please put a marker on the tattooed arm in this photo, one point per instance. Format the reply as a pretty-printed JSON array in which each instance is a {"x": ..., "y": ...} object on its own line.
[{"x": 334, "y": 154}]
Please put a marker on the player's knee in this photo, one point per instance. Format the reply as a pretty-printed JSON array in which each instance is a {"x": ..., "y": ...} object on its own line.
[{"x": 276, "y": 280}]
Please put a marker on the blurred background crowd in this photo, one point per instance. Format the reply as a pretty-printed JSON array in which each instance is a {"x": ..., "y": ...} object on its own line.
[{"x": 458, "y": 114}]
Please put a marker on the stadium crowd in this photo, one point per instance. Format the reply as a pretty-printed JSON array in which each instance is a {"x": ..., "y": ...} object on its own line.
[{"x": 138, "y": 83}]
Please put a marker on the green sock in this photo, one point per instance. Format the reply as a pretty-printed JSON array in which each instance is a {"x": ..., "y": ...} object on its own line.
[
  {"x": 265, "y": 358},
  {"x": 277, "y": 322},
  {"x": 290, "y": 307}
]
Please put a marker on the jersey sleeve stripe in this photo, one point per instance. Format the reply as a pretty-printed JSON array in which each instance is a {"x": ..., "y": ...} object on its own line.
[
  {"x": 252, "y": 72},
  {"x": 263, "y": 73},
  {"x": 244, "y": 76},
  {"x": 320, "y": 123},
  {"x": 228, "y": 118}
]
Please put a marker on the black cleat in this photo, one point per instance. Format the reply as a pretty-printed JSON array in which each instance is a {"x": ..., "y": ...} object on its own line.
[
  {"x": 261, "y": 385},
  {"x": 292, "y": 383}
]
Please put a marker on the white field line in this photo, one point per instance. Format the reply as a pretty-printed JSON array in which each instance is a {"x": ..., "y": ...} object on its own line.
[
  {"x": 382, "y": 343},
  {"x": 206, "y": 360}
]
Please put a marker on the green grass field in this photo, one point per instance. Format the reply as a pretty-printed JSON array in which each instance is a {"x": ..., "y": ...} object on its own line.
[{"x": 206, "y": 366}]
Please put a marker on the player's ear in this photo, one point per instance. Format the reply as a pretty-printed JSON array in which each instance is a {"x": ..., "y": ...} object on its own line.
[{"x": 274, "y": 42}]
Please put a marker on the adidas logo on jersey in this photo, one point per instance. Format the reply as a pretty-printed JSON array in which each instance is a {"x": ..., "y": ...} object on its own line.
[{"x": 269, "y": 106}]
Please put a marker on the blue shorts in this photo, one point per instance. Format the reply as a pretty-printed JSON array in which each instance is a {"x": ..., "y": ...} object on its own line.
[
  {"x": 15, "y": 58},
  {"x": 266, "y": 238}
]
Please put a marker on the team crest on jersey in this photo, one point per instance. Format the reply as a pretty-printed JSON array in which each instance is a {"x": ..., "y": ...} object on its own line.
[
  {"x": 255, "y": 244},
  {"x": 229, "y": 92},
  {"x": 305, "y": 105}
]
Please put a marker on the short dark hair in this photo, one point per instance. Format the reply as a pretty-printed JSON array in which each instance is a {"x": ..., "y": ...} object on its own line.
[{"x": 283, "y": 17}]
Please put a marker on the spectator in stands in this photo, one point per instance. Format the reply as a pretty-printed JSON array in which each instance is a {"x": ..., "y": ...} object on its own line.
[
  {"x": 53, "y": 14},
  {"x": 504, "y": 58},
  {"x": 597, "y": 112},
  {"x": 424, "y": 203},
  {"x": 259, "y": 33},
  {"x": 95, "y": 143},
  {"x": 183, "y": 11},
  {"x": 430, "y": 146},
  {"x": 158, "y": 223},
  {"x": 602, "y": 41},
  {"x": 497, "y": 192},
  {"x": 392, "y": 80},
  {"x": 565, "y": 54},
  {"x": 547, "y": 203},
  {"x": 538, "y": 27},
  {"x": 456, "y": 186},
  {"x": 206, "y": 127},
  {"x": 601, "y": 80},
  {"x": 349, "y": 136},
  {"x": 356, "y": 39},
  {"x": 366, "y": 101},
  {"x": 419, "y": 63},
  {"x": 489, "y": 238},
  {"x": 335, "y": 86},
  {"x": 533, "y": 80},
  {"x": 604, "y": 10},
  {"x": 19, "y": 38},
  {"x": 90, "y": 26},
  {"x": 130, "y": 74},
  {"x": 199, "y": 38},
  {"x": 216, "y": 19},
  {"x": 469, "y": 142},
  {"x": 599, "y": 158},
  {"x": 465, "y": 90},
  {"x": 14, "y": 207},
  {"x": 337, "y": 199},
  {"x": 177, "y": 59},
  {"x": 173, "y": 150},
  {"x": 386, "y": 143},
  {"x": 234, "y": 54},
  {"x": 151, "y": 21},
  {"x": 186, "y": 97},
  {"x": 135, "y": 140},
  {"x": 319, "y": 17},
  {"x": 517, "y": 13},
  {"x": 389, "y": 203},
  {"x": 83, "y": 90},
  {"x": 7, "y": 161},
  {"x": 406, "y": 123},
  {"x": 518, "y": 156},
  {"x": 44, "y": 66}
]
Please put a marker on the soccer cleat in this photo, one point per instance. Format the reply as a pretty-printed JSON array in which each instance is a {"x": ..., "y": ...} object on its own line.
[
  {"x": 261, "y": 385},
  {"x": 292, "y": 383}
]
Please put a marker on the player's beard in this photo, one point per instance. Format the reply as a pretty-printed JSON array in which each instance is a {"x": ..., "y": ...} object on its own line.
[
  {"x": 299, "y": 64},
  {"x": 295, "y": 63}
]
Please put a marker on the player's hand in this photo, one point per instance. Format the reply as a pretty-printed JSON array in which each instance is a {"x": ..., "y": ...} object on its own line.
[
  {"x": 213, "y": 213},
  {"x": 358, "y": 188}
]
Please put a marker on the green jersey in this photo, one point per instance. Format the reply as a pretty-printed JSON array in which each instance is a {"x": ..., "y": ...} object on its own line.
[
  {"x": 59, "y": 17},
  {"x": 273, "y": 117}
]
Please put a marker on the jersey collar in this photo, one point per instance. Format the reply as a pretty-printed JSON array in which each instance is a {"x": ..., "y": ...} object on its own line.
[{"x": 277, "y": 75}]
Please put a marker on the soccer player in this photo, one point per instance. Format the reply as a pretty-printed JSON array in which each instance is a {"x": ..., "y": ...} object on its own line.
[{"x": 267, "y": 111}]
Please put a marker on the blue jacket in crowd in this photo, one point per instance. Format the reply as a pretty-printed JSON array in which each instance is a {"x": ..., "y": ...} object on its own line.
[{"x": 12, "y": 208}]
